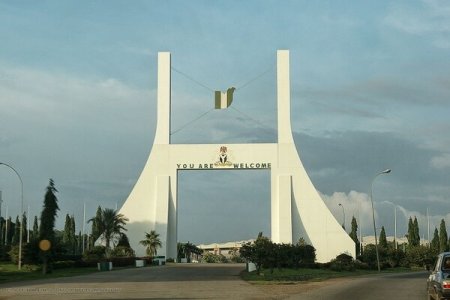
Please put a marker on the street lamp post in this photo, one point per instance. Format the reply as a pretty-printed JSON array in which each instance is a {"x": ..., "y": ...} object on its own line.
[
  {"x": 373, "y": 216},
  {"x": 19, "y": 265},
  {"x": 428, "y": 229},
  {"x": 395, "y": 226},
  {"x": 360, "y": 229},
  {"x": 343, "y": 212},
  {"x": 1, "y": 201}
]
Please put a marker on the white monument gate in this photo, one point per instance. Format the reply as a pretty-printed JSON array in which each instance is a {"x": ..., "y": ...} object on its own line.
[{"x": 297, "y": 210}]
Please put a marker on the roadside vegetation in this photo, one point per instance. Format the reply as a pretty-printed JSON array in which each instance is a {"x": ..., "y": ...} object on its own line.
[
  {"x": 71, "y": 253},
  {"x": 9, "y": 272},
  {"x": 296, "y": 262},
  {"x": 67, "y": 253},
  {"x": 309, "y": 274}
]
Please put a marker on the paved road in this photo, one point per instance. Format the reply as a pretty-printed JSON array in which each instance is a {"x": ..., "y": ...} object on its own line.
[
  {"x": 408, "y": 286},
  {"x": 211, "y": 281},
  {"x": 179, "y": 281}
]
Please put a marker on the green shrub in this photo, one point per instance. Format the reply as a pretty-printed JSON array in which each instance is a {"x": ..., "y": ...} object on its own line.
[
  {"x": 223, "y": 259},
  {"x": 419, "y": 256},
  {"x": 122, "y": 251},
  {"x": 369, "y": 256},
  {"x": 122, "y": 261},
  {"x": 209, "y": 257},
  {"x": 63, "y": 264},
  {"x": 343, "y": 262},
  {"x": 337, "y": 266},
  {"x": 264, "y": 253},
  {"x": 361, "y": 265},
  {"x": 31, "y": 268},
  {"x": 14, "y": 254},
  {"x": 96, "y": 253},
  {"x": 237, "y": 259}
]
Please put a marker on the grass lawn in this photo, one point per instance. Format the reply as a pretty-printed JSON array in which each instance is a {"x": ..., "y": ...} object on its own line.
[
  {"x": 9, "y": 272},
  {"x": 291, "y": 275}
]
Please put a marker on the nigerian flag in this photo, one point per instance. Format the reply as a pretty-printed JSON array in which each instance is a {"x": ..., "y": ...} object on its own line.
[{"x": 224, "y": 99}]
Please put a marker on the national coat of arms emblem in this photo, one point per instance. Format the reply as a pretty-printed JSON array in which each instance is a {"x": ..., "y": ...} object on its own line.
[{"x": 223, "y": 158}]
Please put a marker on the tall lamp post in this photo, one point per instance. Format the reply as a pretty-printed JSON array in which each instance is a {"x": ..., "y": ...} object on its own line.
[
  {"x": 373, "y": 215},
  {"x": 395, "y": 224},
  {"x": 343, "y": 212},
  {"x": 19, "y": 266}
]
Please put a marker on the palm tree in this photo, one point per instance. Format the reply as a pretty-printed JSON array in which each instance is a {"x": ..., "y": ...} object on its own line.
[
  {"x": 152, "y": 242},
  {"x": 110, "y": 224},
  {"x": 185, "y": 250}
]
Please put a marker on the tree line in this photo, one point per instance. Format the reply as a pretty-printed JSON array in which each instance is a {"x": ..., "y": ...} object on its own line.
[
  {"x": 266, "y": 254},
  {"x": 108, "y": 226},
  {"x": 394, "y": 253},
  {"x": 67, "y": 246}
]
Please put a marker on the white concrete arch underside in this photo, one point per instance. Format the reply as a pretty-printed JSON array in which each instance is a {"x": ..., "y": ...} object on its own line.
[{"x": 297, "y": 210}]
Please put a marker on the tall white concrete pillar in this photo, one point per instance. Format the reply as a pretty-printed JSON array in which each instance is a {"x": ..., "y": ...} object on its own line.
[{"x": 162, "y": 135}]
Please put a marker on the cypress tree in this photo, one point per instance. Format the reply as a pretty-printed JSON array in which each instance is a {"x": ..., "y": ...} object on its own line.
[
  {"x": 79, "y": 243},
  {"x": 48, "y": 217},
  {"x": 66, "y": 234},
  {"x": 443, "y": 237},
  {"x": 9, "y": 231},
  {"x": 416, "y": 232},
  {"x": 16, "y": 232},
  {"x": 73, "y": 236},
  {"x": 410, "y": 232},
  {"x": 383, "y": 240},
  {"x": 435, "y": 242},
  {"x": 35, "y": 228},
  {"x": 49, "y": 213},
  {"x": 2, "y": 231},
  {"x": 354, "y": 235},
  {"x": 24, "y": 228}
]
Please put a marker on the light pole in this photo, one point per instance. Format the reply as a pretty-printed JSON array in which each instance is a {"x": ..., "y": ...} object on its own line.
[
  {"x": 395, "y": 226},
  {"x": 360, "y": 227},
  {"x": 428, "y": 228},
  {"x": 1, "y": 201},
  {"x": 84, "y": 222},
  {"x": 373, "y": 215},
  {"x": 395, "y": 223},
  {"x": 343, "y": 212},
  {"x": 19, "y": 266}
]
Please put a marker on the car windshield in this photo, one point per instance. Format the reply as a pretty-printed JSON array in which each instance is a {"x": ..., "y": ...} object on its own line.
[{"x": 446, "y": 264}]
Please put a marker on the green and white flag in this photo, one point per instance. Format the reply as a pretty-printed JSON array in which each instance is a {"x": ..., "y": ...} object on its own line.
[{"x": 224, "y": 99}]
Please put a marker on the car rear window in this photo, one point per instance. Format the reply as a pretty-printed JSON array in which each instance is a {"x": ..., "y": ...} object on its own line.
[{"x": 446, "y": 263}]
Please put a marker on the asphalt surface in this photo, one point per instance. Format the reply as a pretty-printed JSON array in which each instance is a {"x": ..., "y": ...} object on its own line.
[
  {"x": 210, "y": 281},
  {"x": 409, "y": 286},
  {"x": 178, "y": 281}
]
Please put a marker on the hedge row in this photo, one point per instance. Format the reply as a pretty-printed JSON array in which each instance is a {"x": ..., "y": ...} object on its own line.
[{"x": 116, "y": 261}]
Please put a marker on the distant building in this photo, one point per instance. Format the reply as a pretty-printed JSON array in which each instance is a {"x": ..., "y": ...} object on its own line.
[
  {"x": 370, "y": 239},
  {"x": 225, "y": 248}
]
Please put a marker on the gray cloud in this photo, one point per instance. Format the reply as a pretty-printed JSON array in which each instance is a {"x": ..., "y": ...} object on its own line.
[
  {"x": 349, "y": 161},
  {"x": 430, "y": 19}
]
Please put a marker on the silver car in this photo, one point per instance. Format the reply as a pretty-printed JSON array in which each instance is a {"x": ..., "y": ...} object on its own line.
[{"x": 438, "y": 284}]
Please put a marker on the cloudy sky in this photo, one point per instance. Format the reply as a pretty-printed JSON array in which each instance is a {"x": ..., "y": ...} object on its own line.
[{"x": 370, "y": 88}]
